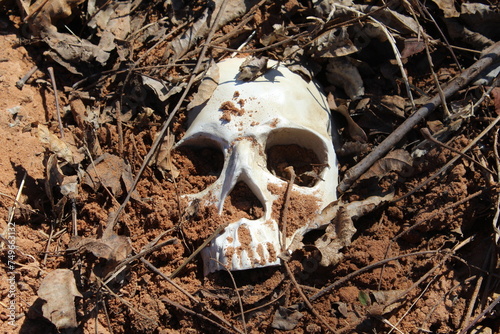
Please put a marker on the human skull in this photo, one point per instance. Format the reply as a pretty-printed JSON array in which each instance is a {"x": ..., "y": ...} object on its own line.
[{"x": 246, "y": 120}]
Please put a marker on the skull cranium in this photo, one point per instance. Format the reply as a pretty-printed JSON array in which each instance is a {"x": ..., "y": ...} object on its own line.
[{"x": 248, "y": 122}]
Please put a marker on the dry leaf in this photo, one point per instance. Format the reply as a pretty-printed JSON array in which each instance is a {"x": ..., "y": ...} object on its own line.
[
  {"x": 44, "y": 14},
  {"x": 387, "y": 299},
  {"x": 111, "y": 172},
  {"x": 333, "y": 43},
  {"x": 398, "y": 160},
  {"x": 412, "y": 47},
  {"x": 495, "y": 93},
  {"x": 341, "y": 73},
  {"x": 252, "y": 68},
  {"x": 355, "y": 131},
  {"x": 113, "y": 248},
  {"x": 163, "y": 159},
  {"x": 199, "y": 30},
  {"x": 160, "y": 88},
  {"x": 59, "y": 147},
  {"x": 59, "y": 290},
  {"x": 113, "y": 19},
  {"x": 286, "y": 319},
  {"x": 448, "y": 7},
  {"x": 206, "y": 88}
]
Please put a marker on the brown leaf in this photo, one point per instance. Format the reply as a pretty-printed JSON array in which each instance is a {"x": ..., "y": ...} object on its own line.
[
  {"x": 59, "y": 290},
  {"x": 398, "y": 160},
  {"x": 42, "y": 15},
  {"x": 163, "y": 159},
  {"x": 355, "y": 131},
  {"x": 448, "y": 8},
  {"x": 252, "y": 68},
  {"x": 206, "y": 88},
  {"x": 286, "y": 319},
  {"x": 342, "y": 73},
  {"x": 60, "y": 147},
  {"x": 111, "y": 172},
  {"x": 412, "y": 47},
  {"x": 333, "y": 43}
]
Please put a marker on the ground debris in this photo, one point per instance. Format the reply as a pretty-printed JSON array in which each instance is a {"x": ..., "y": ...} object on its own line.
[
  {"x": 124, "y": 68},
  {"x": 58, "y": 290}
]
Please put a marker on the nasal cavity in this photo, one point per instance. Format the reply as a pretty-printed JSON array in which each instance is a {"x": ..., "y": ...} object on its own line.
[{"x": 242, "y": 203}]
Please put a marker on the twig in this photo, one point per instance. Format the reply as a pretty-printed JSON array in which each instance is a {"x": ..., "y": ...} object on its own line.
[
  {"x": 102, "y": 284},
  {"x": 198, "y": 250},
  {"x": 394, "y": 47},
  {"x": 427, "y": 135},
  {"x": 20, "y": 83},
  {"x": 448, "y": 46},
  {"x": 180, "y": 307},
  {"x": 451, "y": 162},
  {"x": 35, "y": 10},
  {"x": 118, "y": 115},
  {"x": 305, "y": 299},
  {"x": 358, "y": 272},
  {"x": 191, "y": 297},
  {"x": 108, "y": 320},
  {"x": 56, "y": 96},
  {"x": 265, "y": 48},
  {"x": 141, "y": 254},
  {"x": 451, "y": 88},
  {"x": 111, "y": 224},
  {"x": 476, "y": 320},
  {"x": 242, "y": 310},
  {"x": 284, "y": 212},
  {"x": 440, "y": 211}
]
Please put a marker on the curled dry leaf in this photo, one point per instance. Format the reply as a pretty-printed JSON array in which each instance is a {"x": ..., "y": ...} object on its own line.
[
  {"x": 59, "y": 147},
  {"x": 206, "y": 88},
  {"x": 113, "y": 248},
  {"x": 448, "y": 8},
  {"x": 412, "y": 47},
  {"x": 59, "y": 290},
  {"x": 252, "y": 68},
  {"x": 398, "y": 161}
]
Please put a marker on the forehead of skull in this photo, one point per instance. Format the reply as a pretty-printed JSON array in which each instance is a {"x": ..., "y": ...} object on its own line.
[{"x": 278, "y": 99}]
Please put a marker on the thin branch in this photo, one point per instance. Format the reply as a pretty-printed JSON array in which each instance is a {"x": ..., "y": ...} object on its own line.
[
  {"x": 158, "y": 140},
  {"x": 451, "y": 88}
]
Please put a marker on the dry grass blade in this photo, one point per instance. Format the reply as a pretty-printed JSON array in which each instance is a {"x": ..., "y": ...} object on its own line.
[{"x": 12, "y": 210}]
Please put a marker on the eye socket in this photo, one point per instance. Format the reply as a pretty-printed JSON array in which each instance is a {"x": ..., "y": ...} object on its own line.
[
  {"x": 302, "y": 150},
  {"x": 199, "y": 166}
]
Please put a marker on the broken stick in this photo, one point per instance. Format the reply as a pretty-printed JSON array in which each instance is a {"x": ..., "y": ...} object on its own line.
[{"x": 490, "y": 56}]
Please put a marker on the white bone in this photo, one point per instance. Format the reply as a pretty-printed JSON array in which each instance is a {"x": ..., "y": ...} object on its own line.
[{"x": 279, "y": 108}]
